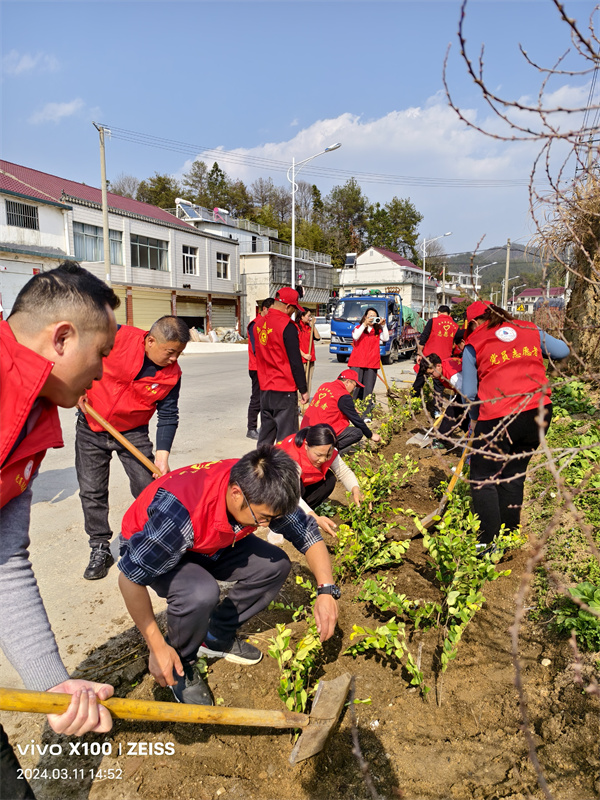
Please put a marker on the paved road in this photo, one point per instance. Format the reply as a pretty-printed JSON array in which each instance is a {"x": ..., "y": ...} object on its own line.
[{"x": 214, "y": 400}]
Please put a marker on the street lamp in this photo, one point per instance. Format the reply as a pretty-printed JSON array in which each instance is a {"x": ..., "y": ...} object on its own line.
[
  {"x": 294, "y": 169},
  {"x": 514, "y": 289},
  {"x": 424, "y": 246},
  {"x": 516, "y": 277},
  {"x": 478, "y": 270}
]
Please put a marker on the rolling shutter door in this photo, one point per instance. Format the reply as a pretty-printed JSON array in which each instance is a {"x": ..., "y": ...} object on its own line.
[
  {"x": 223, "y": 316},
  {"x": 149, "y": 306},
  {"x": 121, "y": 311},
  {"x": 191, "y": 308}
]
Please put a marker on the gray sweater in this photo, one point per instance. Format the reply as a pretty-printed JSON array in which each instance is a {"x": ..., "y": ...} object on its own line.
[{"x": 26, "y": 637}]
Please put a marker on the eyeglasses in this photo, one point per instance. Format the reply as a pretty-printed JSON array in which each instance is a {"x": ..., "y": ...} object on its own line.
[{"x": 267, "y": 519}]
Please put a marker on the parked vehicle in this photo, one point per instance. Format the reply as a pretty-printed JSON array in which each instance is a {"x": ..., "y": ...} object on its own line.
[
  {"x": 323, "y": 326},
  {"x": 348, "y": 313}
]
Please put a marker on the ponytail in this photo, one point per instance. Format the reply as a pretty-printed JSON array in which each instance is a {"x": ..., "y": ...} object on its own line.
[{"x": 316, "y": 436}]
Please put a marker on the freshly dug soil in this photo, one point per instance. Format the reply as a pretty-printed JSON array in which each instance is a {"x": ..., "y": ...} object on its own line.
[{"x": 465, "y": 741}]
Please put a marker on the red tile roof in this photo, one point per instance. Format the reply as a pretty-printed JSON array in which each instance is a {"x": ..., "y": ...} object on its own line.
[
  {"x": 396, "y": 257},
  {"x": 541, "y": 293},
  {"x": 51, "y": 188}
]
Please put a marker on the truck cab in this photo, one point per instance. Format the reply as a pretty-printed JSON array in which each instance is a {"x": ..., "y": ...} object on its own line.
[{"x": 348, "y": 313}]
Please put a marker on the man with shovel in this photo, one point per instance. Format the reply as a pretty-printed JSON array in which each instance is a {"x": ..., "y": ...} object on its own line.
[
  {"x": 52, "y": 346},
  {"x": 141, "y": 376},
  {"x": 194, "y": 527}
]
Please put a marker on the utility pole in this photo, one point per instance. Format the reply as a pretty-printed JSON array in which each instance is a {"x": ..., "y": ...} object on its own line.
[
  {"x": 505, "y": 294},
  {"x": 105, "y": 232},
  {"x": 444, "y": 284}
]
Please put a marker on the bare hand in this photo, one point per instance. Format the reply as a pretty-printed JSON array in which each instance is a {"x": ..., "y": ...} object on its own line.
[
  {"x": 357, "y": 496},
  {"x": 328, "y": 525},
  {"x": 304, "y": 398},
  {"x": 326, "y": 614},
  {"x": 84, "y": 713},
  {"x": 161, "y": 664},
  {"x": 376, "y": 437},
  {"x": 81, "y": 403},
  {"x": 161, "y": 462}
]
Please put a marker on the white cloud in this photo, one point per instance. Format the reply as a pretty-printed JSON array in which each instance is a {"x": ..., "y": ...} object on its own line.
[
  {"x": 294, "y": 123},
  {"x": 15, "y": 63},
  {"x": 55, "y": 112}
]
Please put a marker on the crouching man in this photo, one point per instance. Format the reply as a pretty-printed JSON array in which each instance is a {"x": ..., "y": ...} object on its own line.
[{"x": 194, "y": 527}]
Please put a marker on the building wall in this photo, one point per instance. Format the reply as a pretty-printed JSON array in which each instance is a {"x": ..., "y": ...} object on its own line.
[{"x": 51, "y": 233}]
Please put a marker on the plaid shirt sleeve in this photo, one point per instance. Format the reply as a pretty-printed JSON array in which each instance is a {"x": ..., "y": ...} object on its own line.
[
  {"x": 160, "y": 545},
  {"x": 299, "y": 529}
]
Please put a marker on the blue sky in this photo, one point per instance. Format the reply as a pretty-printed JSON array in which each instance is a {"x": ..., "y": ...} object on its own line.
[{"x": 281, "y": 80}]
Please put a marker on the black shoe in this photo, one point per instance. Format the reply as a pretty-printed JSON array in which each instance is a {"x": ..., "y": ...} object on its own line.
[
  {"x": 485, "y": 549},
  {"x": 240, "y": 651},
  {"x": 190, "y": 688},
  {"x": 101, "y": 561},
  {"x": 252, "y": 434}
]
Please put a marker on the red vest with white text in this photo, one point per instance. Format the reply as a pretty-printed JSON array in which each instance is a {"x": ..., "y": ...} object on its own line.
[
  {"x": 201, "y": 489},
  {"x": 123, "y": 401},
  {"x": 272, "y": 363},
  {"x": 309, "y": 473},
  {"x": 441, "y": 337},
  {"x": 324, "y": 407},
  {"x": 365, "y": 351},
  {"x": 304, "y": 336},
  {"x": 23, "y": 373},
  {"x": 510, "y": 370}
]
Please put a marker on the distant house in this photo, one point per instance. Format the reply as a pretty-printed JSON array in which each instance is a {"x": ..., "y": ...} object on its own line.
[
  {"x": 378, "y": 268},
  {"x": 159, "y": 264},
  {"x": 469, "y": 285},
  {"x": 265, "y": 261},
  {"x": 526, "y": 301}
]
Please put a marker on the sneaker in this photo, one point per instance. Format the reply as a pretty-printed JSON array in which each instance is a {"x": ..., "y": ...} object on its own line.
[
  {"x": 252, "y": 433},
  {"x": 437, "y": 445},
  {"x": 101, "y": 561},
  {"x": 240, "y": 651},
  {"x": 190, "y": 688},
  {"x": 367, "y": 420},
  {"x": 485, "y": 549}
]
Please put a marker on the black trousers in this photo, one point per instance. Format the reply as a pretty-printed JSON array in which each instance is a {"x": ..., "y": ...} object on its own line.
[
  {"x": 348, "y": 437},
  {"x": 315, "y": 493},
  {"x": 93, "y": 452},
  {"x": 502, "y": 467},
  {"x": 368, "y": 377},
  {"x": 11, "y": 786},
  {"x": 254, "y": 404},
  {"x": 192, "y": 592},
  {"x": 455, "y": 416},
  {"x": 278, "y": 416}
]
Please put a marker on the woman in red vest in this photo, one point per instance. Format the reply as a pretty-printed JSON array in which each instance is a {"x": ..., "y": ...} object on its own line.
[
  {"x": 503, "y": 370},
  {"x": 365, "y": 357},
  {"x": 314, "y": 449},
  {"x": 307, "y": 343}
]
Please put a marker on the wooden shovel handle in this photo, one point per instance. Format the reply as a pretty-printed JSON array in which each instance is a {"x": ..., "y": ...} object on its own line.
[
  {"x": 150, "y": 710},
  {"x": 121, "y": 439}
]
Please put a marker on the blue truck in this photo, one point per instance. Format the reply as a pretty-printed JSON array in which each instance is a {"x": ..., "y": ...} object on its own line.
[{"x": 348, "y": 312}]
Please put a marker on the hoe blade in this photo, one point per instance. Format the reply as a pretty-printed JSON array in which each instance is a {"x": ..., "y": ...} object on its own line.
[{"x": 327, "y": 707}]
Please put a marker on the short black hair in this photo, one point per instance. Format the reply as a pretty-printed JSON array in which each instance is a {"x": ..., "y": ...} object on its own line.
[
  {"x": 268, "y": 476},
  {"x": 267, "y": 303},
  {"x": 433, "y": 359},
  {"x": 316, "y": 436},
  {"x": 170, "y": 329},
  {"x": 444, "y": 309},
  {"x": 63, "y": 292}
]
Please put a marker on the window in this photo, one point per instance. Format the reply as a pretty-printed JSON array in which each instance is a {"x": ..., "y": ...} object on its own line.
[
  {"x": 89, "y": 243},
  {"x": 149, "y": 253},
  {"x": 22, "y": 215},
  {"x": 190, "y": 260},
  {"x": 223, "y": 265}
]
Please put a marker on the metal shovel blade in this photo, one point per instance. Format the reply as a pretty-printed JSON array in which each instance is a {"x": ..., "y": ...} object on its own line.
[
  {"x": 420, "y": 439},
  {"x": 327, "y": 707}
]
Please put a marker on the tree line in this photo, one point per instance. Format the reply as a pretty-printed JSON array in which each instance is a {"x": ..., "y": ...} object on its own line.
[{"x": 344, "y": 221}]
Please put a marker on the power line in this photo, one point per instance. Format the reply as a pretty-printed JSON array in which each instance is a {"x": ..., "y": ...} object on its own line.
[{"x": 262, "y": 163}]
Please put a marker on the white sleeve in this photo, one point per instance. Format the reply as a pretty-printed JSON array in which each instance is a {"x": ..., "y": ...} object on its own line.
[
  {"x": 384, "y": 335},
  {"x": 357, "y": 332},
  {"x": 344, "y": 474}
]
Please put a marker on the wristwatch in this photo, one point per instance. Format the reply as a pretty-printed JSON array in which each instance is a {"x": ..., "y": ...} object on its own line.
[{"x": 329, "y": 588}]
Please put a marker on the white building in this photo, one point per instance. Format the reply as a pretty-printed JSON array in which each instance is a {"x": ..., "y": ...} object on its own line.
[
  {"x": 265, "y": 262},
  {"x": 377, "y": 268},
  {"x": 159, "y": 264}
]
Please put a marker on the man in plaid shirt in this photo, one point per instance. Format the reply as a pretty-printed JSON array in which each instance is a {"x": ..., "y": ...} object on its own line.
[{"x": 195, "y": 526}]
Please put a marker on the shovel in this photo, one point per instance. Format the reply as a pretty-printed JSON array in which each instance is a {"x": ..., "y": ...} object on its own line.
[
  {"x": 121, "y": 439},
  {"x": 423, "y": 439},
  {"x": 316, "y": 726},
  {"x": 428, "y": 521}
]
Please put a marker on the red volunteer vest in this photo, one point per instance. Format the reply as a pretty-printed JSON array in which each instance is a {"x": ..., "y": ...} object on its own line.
[
  {"x": 123, "y": 401},
  {"x": 365, "y": 352},
  {"x": 450, "y": 366},
  {"x": 308, "y": 472},
  {"x": 509, "y": 362},
  {"x": 304, "y": 337},
  {"x": 441, "y": 337},
  {"x": 272, "y": 363},
  {"x": 324, "y": 407},
  {"x": 251, "y": 356},
  {"x": 201, "y": 489},
  {"x": 22, "y": 376}
]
